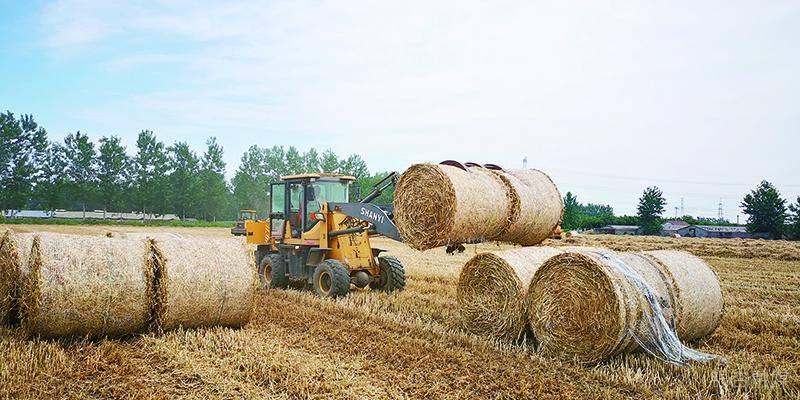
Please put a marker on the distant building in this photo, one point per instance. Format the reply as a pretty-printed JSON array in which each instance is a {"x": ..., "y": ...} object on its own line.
[
  {"x": 718, "y": 232},
  {"x": 33, "y": 214},
  {"x": 88, "y": 214},
  {"x": 618, "y": 230},
  {"x": 670, "y": 228}
]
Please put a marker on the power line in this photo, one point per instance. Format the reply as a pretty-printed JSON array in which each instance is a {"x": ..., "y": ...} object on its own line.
[{"x": 641, "y": 178}]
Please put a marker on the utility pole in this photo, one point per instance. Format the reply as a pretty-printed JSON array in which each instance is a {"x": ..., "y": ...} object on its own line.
[
  {"x": 676, "y": 212},
  {"x": 682, "y": 213},
  {"x": 719, "y": 210},
  {"x": 525, "y": 163}
]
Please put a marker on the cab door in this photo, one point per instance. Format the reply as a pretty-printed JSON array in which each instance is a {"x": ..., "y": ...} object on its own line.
[{"x": 278, "y": 210}]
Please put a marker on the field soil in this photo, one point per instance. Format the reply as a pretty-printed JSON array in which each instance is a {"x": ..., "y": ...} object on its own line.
[{"x": 411, "y": 344}]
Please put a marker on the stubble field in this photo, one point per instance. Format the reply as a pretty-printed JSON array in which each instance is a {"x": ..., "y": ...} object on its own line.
[{"x": 410, "y": 345}]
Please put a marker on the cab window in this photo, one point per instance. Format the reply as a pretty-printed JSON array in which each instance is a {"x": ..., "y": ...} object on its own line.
[{"x": 295, "y": 205}]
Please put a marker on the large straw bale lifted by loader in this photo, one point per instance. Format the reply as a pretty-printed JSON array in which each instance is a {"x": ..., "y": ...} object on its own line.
[{"x": 451, "y": 203}]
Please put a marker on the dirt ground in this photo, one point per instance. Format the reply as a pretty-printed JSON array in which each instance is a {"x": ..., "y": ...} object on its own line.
[{"x": 411, "y": 345}]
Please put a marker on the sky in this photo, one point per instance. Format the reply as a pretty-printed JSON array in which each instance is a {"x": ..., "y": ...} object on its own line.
[{"x": 701, "y": 99}]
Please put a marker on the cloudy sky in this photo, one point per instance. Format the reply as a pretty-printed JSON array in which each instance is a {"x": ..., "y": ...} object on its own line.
[{"x": 699, "y": 98}]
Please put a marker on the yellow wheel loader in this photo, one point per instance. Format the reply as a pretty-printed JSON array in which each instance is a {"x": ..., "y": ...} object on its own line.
[{"x": 316, "y": 238}]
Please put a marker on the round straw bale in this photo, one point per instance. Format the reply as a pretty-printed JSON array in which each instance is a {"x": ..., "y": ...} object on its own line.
[
  {"x": 14, "y": 249},
  {"x": 203, "y": 283},
  {"x": 86, "y": 286},
  {"x": 491, "y": 290},
  {"x": 540, "y": 207},
  {"x": 436, "y": 205},
  {"x": 698, "y": 301},
  {"x": 582, "y": 306}
]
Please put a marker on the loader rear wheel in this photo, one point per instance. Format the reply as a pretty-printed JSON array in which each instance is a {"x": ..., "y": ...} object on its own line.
[
  {"x": 272, "y": 272},
  {"x": 331, "y": 279},
  {"x": 392, "y": 277}
]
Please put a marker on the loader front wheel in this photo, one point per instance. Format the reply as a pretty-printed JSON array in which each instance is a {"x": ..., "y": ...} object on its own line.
[
  {"x": 392, "y": 277},
  {"x": 331, "y": 279},
  {"x": 272, "y": 272}
]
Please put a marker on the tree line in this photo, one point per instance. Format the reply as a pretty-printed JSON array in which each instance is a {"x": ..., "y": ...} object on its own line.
[
  {"x": 767, "y": 212},
  {"x": 77, "y": 174}
]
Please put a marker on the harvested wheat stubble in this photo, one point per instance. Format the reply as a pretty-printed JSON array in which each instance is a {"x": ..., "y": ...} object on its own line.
[
  {"x": 540, "y": 207},
  {"x": 583, "y": 306},
  {"x": 14, "y": 249},
  {"x": 492, "y": 287},
  {"x": 697, "y": 295},
  {"x": 86, "y": 286},
  {"x": 436, "y": 205},
  {"x": 203, "y": 283}
]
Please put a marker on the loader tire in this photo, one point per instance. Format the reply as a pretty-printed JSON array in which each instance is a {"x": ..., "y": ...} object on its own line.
[
  {"x": 272, "y": 272},
  {"x": 392, "y": 277},
  {"x": 331, "y": 279}
]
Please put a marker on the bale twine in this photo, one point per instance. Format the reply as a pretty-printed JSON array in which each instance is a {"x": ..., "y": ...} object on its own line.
[
  {"x": 491, "y": 291},
  {"x": 86, "y": 286},
  {"x": 697, "y": 295},
  {"x": 14, "y": 250},
  {"x": 589, "y": 305},
  {"x": 436, "y": 205},
  {"x": 540, "y": 207},
  {"x": 203, "y": 283}
]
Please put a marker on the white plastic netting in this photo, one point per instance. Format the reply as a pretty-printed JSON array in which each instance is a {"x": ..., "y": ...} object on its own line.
[{"x": 654, "y": 332}]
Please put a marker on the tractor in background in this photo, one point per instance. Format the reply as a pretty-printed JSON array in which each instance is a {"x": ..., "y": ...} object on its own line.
[{"x": 242, "y": 217}]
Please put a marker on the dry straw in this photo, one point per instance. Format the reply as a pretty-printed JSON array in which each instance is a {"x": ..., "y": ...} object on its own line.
[
  {"x": 540, "y": 207},
  {"x": 696, "y": 292},
  {"x": 436, "y": 205},
  {"x": 86, "y": 286},
  {"x": 583, "y": 306},
  {"x": 491, "y": 290},
  {"x": 203, "y": 283},
  {"x": 14, "y": 249}
]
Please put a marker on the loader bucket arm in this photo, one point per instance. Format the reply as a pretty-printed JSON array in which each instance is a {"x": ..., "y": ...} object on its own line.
[{"x": 371, "y": 213}]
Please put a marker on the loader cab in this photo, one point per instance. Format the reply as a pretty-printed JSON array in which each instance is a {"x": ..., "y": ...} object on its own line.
[{"x": 297, "y": 199}]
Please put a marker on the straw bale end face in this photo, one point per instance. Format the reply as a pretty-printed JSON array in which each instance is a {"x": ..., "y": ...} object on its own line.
[
  {"x": 425, "y": 202},
  {"x": 491, "y": 298},
  {"x": 576, "y": 309},
  {"x": 14, "y": 250}
]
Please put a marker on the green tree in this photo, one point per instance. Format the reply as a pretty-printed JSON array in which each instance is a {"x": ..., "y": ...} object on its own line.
[
  {"x": 112, "y": 173},
  {"x": 295, "y": 164},
  {"x": 793, "y": 220},
  {"x": 329, "y": 162},
  {"x": 23, "y": 150},
  {"x": 765, "y": 209},
  {"x": 251, "y": 181},
  {"x": 311, "y": 159},
  {"x": 81, "y": 170},
  {"x": 149, "y": 173},
  {"x": 51, "y": 188},
  {"x": 569, "y": 219},
  {"x": 366, "y": 184},
  {"x": 651, "y": 206},
  {"x": 213, "y": 190},
  {"x": 184, "y": 169},
  {"x": 353, "y": 165},
  {"x": 275, "y": 162}
]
